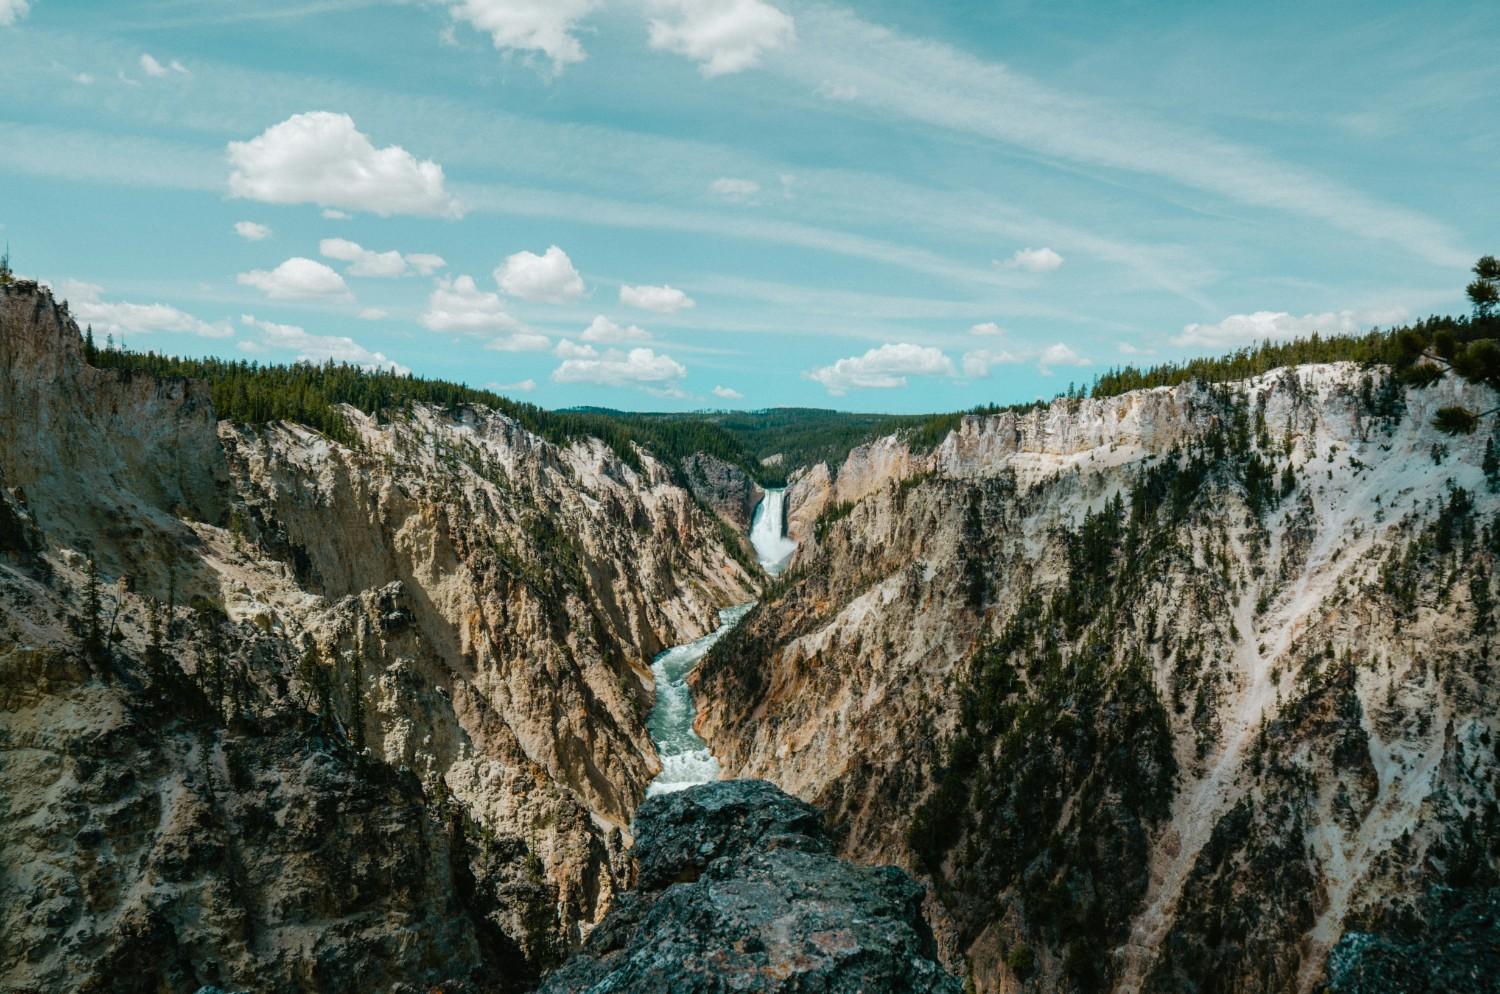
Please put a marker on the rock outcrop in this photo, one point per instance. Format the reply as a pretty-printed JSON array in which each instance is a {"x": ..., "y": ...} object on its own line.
[
  {"x": 738, "y": 889},
  {"x": 279, "y": 713},
  {"x": 1162, "y": 692},
  {"x": 724, "y": 488}
]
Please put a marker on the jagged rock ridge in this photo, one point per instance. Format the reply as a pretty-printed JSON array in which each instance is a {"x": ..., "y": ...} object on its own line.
[{"x": 738, "y": 890}]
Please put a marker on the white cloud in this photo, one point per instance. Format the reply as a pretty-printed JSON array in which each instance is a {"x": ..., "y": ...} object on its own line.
[
  {"x": 641, "y": 367},
  {"x": 830, "y": 90},
  {"x": 119, "y": 317},
  {"x": 332, "y": 215},
  {"x": 323, "y": 158},
  {"x": 524, "y": 340},
  {"x": 884, "y": 368},
  {"x": 522, "y": 386},
  {"x": 81, "y": 78},
  {"x": 722, "y": 36},
  {"x": 987, "y": 328},
  {"x": 946, "y": 87},
  {"x": 544, "y": 26},
  {"x": 1041, "y": 260},
  {"x": 363, "y": 261},
  {"x": 550, "y": 277},
  {"x": 567, "y": 349},
  {"x": 296, "y": 279},
  {"x": 728, "y": 393},
  {"x": 12, "y": 11},
  {"x": 977, "y": 364},
  {"x": 425, "y": 263},
  {"x": 1249, "y": 329},
  {"x": 661, "y": 299},
  {"x": 459, "y": 305},
  {"x": 373, "y": 314},
  {"x": 734, "y": 188},
  {"x": 252, "y": 231},
  {"x": 1060, "y": 355},
  {"x": 315, "y": 348},
  {"x": 151, "y": 67},
  {"x": 606, "y": 332}
]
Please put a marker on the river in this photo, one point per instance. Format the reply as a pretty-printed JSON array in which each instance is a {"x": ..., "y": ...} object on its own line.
[{"x": 685, "y": 759}]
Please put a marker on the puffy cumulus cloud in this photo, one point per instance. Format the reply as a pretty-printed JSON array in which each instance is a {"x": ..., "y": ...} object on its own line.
[
  {"x": 734, "y": 188},
  {"x": 607, "y": 332},
  {"x": 252, "y": 231},
  {"x": 986, "y": 328},
  {"x": 12, "y": 11},
  {"x": 151, "y": 67},
  {"x": 977, "y": 364},
  {"x": 425, "y": 263},
  {"x": 1247, "y": 329},
  {"x": 1041, "y": 260},
  {"x": 524, "y": 340},
  {"x": 322, "y": 158},
  {"x": 887, "y": 367},
  {"x": 544, "y": 26},
  {"x": 1060, "y": 355},
  {"x": 641, "y": 367},
  {"x": 373, "y": 314},
  {"x": 728, "y": 393},
  {"x": 722, "y": 36},
  {"x": 459, "y": 305},
  {"x": 333, "y": 215},
  {"x": 363, "y": 261},
  {"x": 549, "y": 277},
  {"x": 86, "y": 302},
  {"x": 366, "y": 262},
  {"x": 315, "y": 348},
  {"x": 296, "y": 279},
  {"x": 661, "y": 299}
]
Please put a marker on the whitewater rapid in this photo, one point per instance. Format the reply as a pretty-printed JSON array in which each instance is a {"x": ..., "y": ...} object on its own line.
[{"x": 685, "y": 759}]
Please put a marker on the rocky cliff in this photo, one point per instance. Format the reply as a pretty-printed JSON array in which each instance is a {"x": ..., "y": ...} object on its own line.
[
  {"x": 279, "y": 713},
  {"x": 1183, "y": 690},
  {"x": 738, "y": 890}
]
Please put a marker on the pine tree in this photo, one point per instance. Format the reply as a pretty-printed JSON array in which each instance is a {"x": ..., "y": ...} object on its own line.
[
  {"x": 93, "y": 641},
  {"x": 6, "y": 276}
]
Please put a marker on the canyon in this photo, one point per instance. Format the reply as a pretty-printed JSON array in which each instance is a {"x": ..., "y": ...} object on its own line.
[{"x": 1182, "y": 689}]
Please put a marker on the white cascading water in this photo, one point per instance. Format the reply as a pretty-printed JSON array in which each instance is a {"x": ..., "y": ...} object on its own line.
[
  {"x": 685, "y": 759},
  {"x": 767, "y": 532}
]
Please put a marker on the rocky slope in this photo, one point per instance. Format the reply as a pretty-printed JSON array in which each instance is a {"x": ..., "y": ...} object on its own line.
[
  {"x": 738, "y": 890},
  {"x": 1183, "y": 690},
  {"x": 280, "y": 714}
]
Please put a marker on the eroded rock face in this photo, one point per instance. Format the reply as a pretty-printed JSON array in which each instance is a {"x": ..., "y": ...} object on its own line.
[
  {"x": 738, "y": 890},
  {"x": 355, "y": 716},
  {"x": 726, "y": 489}
]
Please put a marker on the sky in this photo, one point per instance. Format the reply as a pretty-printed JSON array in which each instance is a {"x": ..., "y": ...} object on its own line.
[{"x": 686, "y": 204}]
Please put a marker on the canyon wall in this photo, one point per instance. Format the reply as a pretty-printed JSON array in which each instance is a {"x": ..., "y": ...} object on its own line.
[
  {"x": 279, "y": 713},
  {"x": 1182, "y": 690}
]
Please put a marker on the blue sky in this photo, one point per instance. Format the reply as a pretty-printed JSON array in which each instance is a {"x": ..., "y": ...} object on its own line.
[{"x": 674, "y": 204}]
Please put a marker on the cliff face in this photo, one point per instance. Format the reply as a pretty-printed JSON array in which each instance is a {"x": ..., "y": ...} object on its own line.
[
  {"x": 726, "y": 489},
  {"x": 333, "y": 717},
  {"x": 1180, "y": 690}
]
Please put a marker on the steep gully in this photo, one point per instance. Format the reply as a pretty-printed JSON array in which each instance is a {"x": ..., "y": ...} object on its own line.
[{"x": 685, "y": 757}]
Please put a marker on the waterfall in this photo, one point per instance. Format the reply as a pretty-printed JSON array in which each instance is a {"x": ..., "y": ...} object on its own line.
[{"x": 768, "y": 532}]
